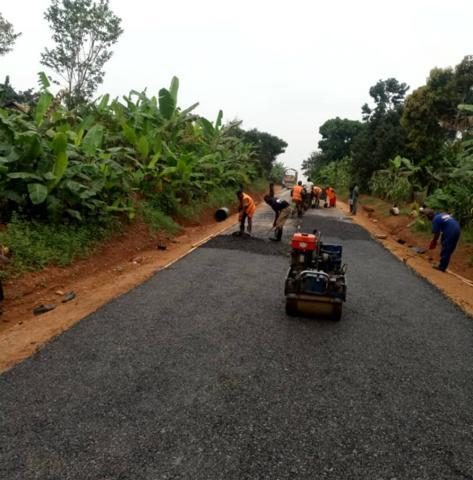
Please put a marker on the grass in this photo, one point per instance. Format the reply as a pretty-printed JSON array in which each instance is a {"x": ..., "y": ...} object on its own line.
[
  {"x": 422, "y": 225},
  {"x": 157, "y": 220},
  {"x": 467, "y": 235},
  {"x": 35, "y": 244}
]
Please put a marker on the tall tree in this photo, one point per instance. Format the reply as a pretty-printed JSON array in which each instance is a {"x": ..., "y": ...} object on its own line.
[
  {"x": 266, "y": 146},
  {"x": 388, "y": 95},
  {"x": 431, "y": 116},
  {"x": 337, "y": 136},
  {"x": 7, "y": 35},
  {"x": 382, "y": 137},
  {"x": 84, "y": 32}
]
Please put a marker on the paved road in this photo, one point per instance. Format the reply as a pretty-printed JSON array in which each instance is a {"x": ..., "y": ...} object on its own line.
[{"x": 198, "y": 374}]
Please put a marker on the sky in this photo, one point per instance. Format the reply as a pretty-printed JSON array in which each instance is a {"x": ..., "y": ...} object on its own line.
[{"x": 284, "y": 67}]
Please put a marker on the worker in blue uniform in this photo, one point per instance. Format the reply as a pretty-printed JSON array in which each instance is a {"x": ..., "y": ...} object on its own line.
[{"x": 445, "y": 224}]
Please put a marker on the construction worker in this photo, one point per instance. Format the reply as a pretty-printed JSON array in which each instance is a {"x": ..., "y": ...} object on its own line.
[
  {"x": 445, "y": 224},
  {"x": 316, "y": 192},
  {"x": 331, "y": 197},
  {"x": 282, "y": 211},
  {"x": 353, "y": 200},
  {"x": 297, "y": 194},
  {"x": 247, "y": 209}
]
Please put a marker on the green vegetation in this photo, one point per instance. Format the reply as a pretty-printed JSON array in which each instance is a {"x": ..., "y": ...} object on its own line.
[
  {"x": 7, "y": 36},
  {"x": 277, "y": 172},
  {"x": 83, "y": 32},
  {"x": 408, "y": 147},
  {"x": 157, "y": 220},
  {"x": 393, "y": 183},
  {"x": 63, "y": 169},
  {"x": 37, "y": 244},
  {"x": 336, "y": 174},
  {"x": 70, "y": 166},
  {"x": 422, "y": 225},
  {"x": 58, "y": 163}
]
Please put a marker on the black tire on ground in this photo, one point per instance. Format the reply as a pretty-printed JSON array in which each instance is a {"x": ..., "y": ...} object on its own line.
[{"x": 291, "y": 309}]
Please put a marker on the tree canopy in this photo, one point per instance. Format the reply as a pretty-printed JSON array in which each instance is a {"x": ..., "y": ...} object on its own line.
[
  {"x": 337, "y": 137},
  {"x": 266, "y": 146},
  {"x": 422, "y": 142},
  {"x": 7, "y": 36},
  {"x": 388, "y": 95},
  {"x": 84, "y": 32},
  {"x": 381, "y": 137},
  {"x": 431, "y": 116}
]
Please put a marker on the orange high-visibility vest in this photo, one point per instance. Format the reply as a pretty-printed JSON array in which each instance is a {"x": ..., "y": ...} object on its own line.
[
  {"x": 249, "y": 205},
  {"x": 297, "y": 193}
]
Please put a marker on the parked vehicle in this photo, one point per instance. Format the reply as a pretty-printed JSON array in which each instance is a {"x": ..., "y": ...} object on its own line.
[{"x": 289, "y": 178}]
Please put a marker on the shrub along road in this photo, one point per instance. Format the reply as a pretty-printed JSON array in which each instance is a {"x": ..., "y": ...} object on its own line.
[{"x": 199, "y": 374}]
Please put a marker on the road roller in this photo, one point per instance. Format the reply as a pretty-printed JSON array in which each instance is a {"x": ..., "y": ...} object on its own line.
[{"x": 316, "y": 281}]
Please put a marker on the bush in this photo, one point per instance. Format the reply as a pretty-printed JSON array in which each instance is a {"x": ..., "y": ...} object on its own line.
[
  {"x": 165, "y": 201},
  {"x": 422, "y": 225},
  {"x": 454, "y": 198},
  {"x": 390, "y": 187},
  {"x": 335, "y": 174}
]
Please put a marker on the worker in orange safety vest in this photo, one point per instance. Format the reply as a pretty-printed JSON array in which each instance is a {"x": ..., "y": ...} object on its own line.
[
  {"x": 331, "y": 200},
  {"x": 297, "y": 194},
  {"x": 247, "y": 208}
]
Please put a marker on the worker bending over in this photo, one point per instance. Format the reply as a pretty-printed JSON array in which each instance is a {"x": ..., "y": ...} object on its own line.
[
  {"x": 297, "y": 194},
  {"x": 445, "y": 224},
  {"x": 282, "y": 211},
  {"x": 316, "y": 192},
  {"x": 247, "y": 209}
]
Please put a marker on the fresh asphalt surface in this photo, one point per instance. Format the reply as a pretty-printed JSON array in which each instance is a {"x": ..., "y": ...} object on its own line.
[{"x": 199, "y": 374}]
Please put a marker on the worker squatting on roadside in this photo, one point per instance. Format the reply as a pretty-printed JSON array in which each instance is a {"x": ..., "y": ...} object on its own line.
[
  {"x": 246, "y": 209},
  {"x": 282, "y": 211},
  {"x": 445, "y": 224},
  {"x": 297, "y": 194}
]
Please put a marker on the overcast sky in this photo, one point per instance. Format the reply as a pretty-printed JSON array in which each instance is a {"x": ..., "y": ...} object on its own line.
[{"x": 281, "y": 66}]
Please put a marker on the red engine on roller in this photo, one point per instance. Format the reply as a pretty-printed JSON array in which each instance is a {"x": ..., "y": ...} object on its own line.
[{"x": 303, "y": 246}]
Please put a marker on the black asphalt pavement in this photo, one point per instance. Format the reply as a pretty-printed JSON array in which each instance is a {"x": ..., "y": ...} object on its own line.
[{"x": 199, "y": 374}]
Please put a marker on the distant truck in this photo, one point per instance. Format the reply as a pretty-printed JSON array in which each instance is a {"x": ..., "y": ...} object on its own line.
[{"x": 289, "y": 178}]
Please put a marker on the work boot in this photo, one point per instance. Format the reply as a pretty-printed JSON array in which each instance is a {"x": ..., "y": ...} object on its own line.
[{"x": 278, "y": 234}]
